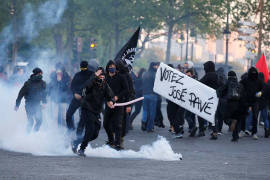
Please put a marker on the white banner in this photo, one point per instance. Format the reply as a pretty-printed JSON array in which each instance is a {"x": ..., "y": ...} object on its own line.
[{"x": 186, "y": 92}]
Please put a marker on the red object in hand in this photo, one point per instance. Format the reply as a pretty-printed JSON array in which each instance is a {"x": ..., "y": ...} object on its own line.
[{"x": 261, "y": 65}]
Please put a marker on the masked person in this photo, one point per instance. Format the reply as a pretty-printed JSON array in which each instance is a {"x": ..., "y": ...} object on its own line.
[
  {"x": 253, "y": 88},
  {"x": 34, "y": 92},
  {"x": 95, "y": 93},
  {"x": 113, "y": 117},
  {"x": 77, "y": 85}
]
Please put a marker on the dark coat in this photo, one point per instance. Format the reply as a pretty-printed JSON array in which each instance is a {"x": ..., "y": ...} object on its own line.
[
  {"x": 94, "y": 95},
  {"x": 265, "y": 98},
  {"x": 77, "y": 83},
  {"x": 210, "y": 78},
  {"x": 33, "y": 90},
  {"x": 118, "y": 84},
  {"x": 149, "y": 80},
  {"x": 251, "y": 85}
]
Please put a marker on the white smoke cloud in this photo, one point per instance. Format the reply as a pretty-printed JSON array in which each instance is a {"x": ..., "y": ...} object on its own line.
[
  {"x": 34, "y": 20},
  {"x": 53, "y": 141}
]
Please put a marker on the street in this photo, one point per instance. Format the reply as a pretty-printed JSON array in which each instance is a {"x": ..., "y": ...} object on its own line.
[{"x": 202, "y": 159}]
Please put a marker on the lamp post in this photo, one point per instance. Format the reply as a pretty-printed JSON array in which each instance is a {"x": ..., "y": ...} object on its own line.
[
  {"x": 192, "y": 40},
  {"x": 227, "y": 33},
  {"x": 180, "y": 41}
]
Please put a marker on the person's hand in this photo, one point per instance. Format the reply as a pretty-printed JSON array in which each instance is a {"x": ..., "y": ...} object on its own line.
[
  {"x": 98, "y": 72},
  {"x": 16, "y": 108},
  {"x": 128, "y": 109},
  {"x": 110, "y": 104},
  {"x": 115, "y": 98},
  {"x": 259, "y": 94},
  {"x": 250, "y": 108},
  {"x": 77, "y": 96}
]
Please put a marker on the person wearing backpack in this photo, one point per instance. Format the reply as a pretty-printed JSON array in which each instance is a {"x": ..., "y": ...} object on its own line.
[{"x": 230, "y": 98}]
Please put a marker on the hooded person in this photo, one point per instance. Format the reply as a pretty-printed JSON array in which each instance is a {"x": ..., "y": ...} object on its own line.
[
  {"x": 124, "y": 69},
  {"x": 150, "y": 98},
  {"x": 209, "y": 79},
  {"x": 59, "y": 90},
  {"x": 113, "y": 117},
  {"x": 231, "y": 103},
  {"x": 77, "y": 84},
  {"x": 253, "y": 87},
  {"x": 34, "y": 93},
  {"x": 95, "y": 93},
  {"x": 263, "y": 102}
]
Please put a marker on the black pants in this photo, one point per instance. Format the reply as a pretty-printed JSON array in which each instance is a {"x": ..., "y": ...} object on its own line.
[
  {"x": 138, "y": 107},
  {"x": 190, "y": 117},
  {"x": 159, "y": 116},
  {"x": 34, "y": 114},
  {"x": 213, "y": 127},
  {"x": 92, "y": 127},
  {"x": 113, "y": 124},
  {"x": 178, "y": 121},
  {"x": 73, "y": 106},
  {"x": 172, "y": 108}
]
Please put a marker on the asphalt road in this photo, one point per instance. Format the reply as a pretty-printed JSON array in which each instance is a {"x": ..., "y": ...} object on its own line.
[{"x": 202, "y": 159}]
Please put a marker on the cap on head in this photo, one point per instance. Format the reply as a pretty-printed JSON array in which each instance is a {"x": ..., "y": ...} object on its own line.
[
  {"x": 37, "y": 71},
  {"x": 84, "y": 65}
]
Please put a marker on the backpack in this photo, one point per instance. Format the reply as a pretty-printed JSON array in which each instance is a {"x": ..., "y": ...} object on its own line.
[{"x": 233, "y": 91}]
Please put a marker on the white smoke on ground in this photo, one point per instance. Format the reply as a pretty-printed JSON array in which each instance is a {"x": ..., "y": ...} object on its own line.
[{"x": 52, "y": 140}]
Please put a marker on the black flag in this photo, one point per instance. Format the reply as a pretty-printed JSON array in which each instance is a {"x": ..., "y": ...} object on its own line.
[{"x": 127, "y": 54}]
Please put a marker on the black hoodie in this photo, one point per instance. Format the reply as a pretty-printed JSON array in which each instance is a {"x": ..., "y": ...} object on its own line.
[
  {"x": 33, "y": 90},
  {"x": 251, "y": 85},
  {"x": 117, "y": 83},
  {"x": 210, "y": 78},
  {"x": 77, "y": 83}
]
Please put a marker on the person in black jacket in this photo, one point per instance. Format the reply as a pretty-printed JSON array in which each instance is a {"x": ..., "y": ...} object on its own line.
[
  {"x": 77, "y": 85},
  {"x": 150, "y": 98},
  {"x": 139, "y": 93},
  {"x": 231, "y": 104},
  {"x": 59, "y": 90},
  {"x": 252, "y": 91},
  {"x": 209, "y": 79},
  {"x": 95, "y": 93},
  {"x": 34, "y": 92},
  {"x": 113, "y": 117},
  {"x": 125, "y": 71}
]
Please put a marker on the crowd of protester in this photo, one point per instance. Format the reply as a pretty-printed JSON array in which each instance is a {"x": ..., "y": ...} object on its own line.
[{"x": 94, "y": 91}]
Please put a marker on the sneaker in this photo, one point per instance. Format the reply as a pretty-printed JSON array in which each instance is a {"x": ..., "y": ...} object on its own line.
[
  {"x": 201, "y": 134},
  {"x": 213, "y": 136},
  {"x": 150, "y": 131},
  {"x": 242, "y": 134},
  {"x": 247, "y": 132},
  {"x": 118, "y": 148},
  {"x": 255, "y": 137},
  {"x": 177, "y": 136},
  {"x": 193, "y": 132},
  {"x": 219, "y": 133},
  {"x": 81, "y": 153}
]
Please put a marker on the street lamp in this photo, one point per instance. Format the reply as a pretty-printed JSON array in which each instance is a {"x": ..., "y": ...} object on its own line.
[
  {"x": 227, "y": 33},
  {"x": 180, "y": 41},
  {"x": 192, "y": 40}
]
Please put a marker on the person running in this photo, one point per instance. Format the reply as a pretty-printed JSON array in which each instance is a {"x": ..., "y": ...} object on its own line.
[
  {"x": 34, "y": 92},
  {"x": 95, "y": 94}
]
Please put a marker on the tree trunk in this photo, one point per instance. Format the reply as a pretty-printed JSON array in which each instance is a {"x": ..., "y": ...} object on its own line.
[
  {"x": 260, "y": 29},
  {"x": 187, "y": 31},
  {"x": 59, "y": 45},
  {"x": 116, "y": 38},
  {"x": 168, "y": 51}
]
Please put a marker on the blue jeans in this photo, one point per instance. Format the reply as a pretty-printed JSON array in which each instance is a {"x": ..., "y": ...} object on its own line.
[
  {"x": 264, "y": 115},
  {"x": 149, "y": 110},
  {"x": 249, "y": 121}
]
